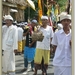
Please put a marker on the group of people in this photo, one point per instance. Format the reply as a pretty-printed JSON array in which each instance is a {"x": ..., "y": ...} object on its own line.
[{"x": 38, "y": 52}]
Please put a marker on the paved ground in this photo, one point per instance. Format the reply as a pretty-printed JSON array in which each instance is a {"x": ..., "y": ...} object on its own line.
[{"x": 20, "y": 65}]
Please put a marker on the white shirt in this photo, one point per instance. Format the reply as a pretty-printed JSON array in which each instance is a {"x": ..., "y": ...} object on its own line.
[
  {"x": 63, "y": 51},
  {"x": 48, "y": 34},
  {"x": 9, "y": 37},
  {"x": 20, "y": 34}
]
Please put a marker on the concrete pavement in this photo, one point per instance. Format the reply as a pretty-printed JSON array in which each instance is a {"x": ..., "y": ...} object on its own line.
[{"x": 20, "y": 65}]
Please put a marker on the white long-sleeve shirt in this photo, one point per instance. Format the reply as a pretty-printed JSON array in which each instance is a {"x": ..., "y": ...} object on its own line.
[
  {"x": 63, "y": 51},
  {"x": 20, "y": 34},
  {"x": 9, "y": 37}
]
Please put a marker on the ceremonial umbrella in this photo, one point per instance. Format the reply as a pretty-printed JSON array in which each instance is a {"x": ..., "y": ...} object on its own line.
[{"x": 31, "y": 4}]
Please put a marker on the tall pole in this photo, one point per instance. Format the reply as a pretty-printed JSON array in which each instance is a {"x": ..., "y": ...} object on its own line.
[
  {"x": 47, "y": 4},
  {"x": 40, "y": 12},
  {"x": 29, "y": 13},
  {"x": 68, "y": 7}
]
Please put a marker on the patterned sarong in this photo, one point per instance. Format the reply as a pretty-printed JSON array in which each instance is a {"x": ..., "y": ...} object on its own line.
[
  {"x": 29, "y": 53},
  {"x": 19, "y": 46}
]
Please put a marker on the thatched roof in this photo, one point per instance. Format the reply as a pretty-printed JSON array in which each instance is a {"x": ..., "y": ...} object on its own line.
[
  {"x": 19, "y": 2},
  {"x": 11, "y": 1},
  {"x": 22, "y": 4}
]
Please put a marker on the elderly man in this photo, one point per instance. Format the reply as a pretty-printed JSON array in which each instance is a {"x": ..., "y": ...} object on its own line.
[
  {"x": 9, "y": 46},
  {"x": 62, "y": 47},
  {"x": 42, "y": 54}
]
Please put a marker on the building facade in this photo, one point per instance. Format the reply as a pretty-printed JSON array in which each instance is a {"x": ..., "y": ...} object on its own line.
[{"x": 15, "y": 8}]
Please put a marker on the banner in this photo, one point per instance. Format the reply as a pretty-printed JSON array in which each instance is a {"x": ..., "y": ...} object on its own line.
[{"x": 39, "y": 11}]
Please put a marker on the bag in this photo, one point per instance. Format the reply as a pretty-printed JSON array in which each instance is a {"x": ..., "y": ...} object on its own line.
[{"x": 37, "y": 36}]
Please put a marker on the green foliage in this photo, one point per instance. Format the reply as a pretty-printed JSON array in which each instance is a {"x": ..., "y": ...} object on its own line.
[
  {"x": 62, "y": 4},
  {"x": 35, "y": 1},
  {"x": 29, "y": 12}
]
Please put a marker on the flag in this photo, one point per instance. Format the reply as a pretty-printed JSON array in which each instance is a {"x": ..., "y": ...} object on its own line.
[
  {"x": 53, "y": 15},
  {"x": 49, "y": 15},
  {"x": 50, "y": 21},
  {"x": 39, "y": 11},
  {"x": 49, "y": 10},
  {"x": 56, "y": 12}
]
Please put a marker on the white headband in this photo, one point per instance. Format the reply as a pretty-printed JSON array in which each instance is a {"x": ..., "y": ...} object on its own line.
[
  {"x": 44, "y": 17},
  {"x": 65, "y": 17},
  {"x": 8, "y": 17}
]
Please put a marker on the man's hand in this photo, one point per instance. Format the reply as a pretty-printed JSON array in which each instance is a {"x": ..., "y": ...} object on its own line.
[
  {"x": 24, "y": 34},
  {"x": 15, "y": 51},
  {"x": 51, "y": 50},
  {"x": 30, "y": 45}
]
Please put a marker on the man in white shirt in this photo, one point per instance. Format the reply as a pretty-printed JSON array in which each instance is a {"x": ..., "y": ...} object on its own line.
[
  {"x": 20, "y": 37},
  {"x": 9, "y": 46},
  {"x": 62, "y": 47},
  {"x": 42, "y": 54}
]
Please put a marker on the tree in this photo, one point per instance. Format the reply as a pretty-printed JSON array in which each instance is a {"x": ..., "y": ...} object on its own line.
[
  {"x": 62, "y": 4},
  {"x": 29, "y": 12}
]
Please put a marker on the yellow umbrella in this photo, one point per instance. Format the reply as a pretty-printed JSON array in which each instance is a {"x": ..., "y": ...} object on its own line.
[{"x": 31, "y": 3}]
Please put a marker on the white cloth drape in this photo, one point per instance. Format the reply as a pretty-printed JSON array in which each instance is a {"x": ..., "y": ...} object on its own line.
[
  {"x": 8, "y": 62},
  {"x": 62, "y": 70}
]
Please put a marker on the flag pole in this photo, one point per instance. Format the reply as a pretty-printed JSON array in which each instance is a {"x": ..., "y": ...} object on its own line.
[{"x": 40, "y": 13}]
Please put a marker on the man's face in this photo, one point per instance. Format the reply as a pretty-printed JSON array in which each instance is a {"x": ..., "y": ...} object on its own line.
[
  {"x": 33, "y": 24},
  {"x": 66, "y": 22},
  {"x": 44, "y": 21},
  {"x": 8, "y": 22}
]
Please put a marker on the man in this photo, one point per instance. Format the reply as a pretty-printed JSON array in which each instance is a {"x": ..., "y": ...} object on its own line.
[
  {"x": 62, "y": 47},
  {"x": 30, "y": 46},
  {"x": 20, "y": 37},
  {"x": 42, "y": 54},
  {"x": 24, "y": 37},
  {"x": 9, "y": 46}
]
